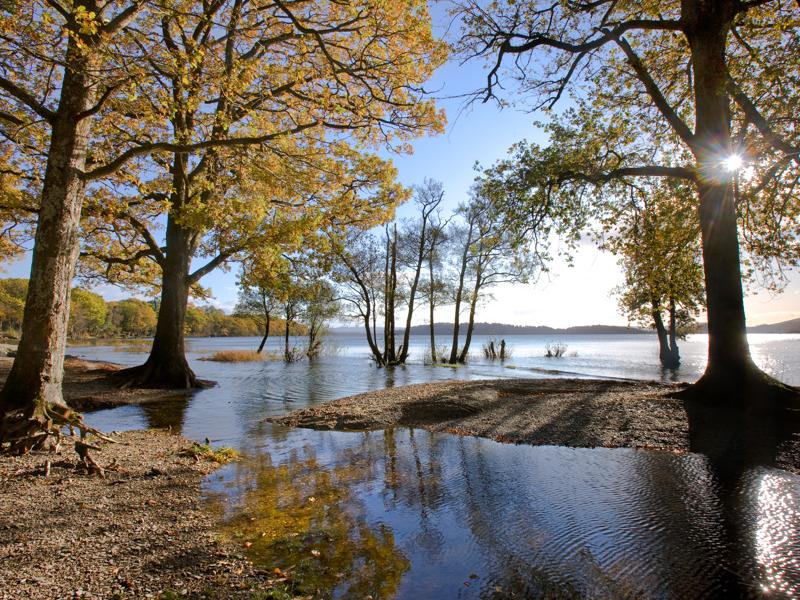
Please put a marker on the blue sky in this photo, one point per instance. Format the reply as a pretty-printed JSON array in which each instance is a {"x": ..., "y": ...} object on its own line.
[{"x": 581, "y": 294}]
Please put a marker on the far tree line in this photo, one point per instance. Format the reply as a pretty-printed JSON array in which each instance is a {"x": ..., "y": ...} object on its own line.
[{"x": 92, "y": 317}]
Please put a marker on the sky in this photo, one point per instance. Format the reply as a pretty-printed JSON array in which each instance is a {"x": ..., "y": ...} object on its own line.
[{"x": 581, "y": 294}]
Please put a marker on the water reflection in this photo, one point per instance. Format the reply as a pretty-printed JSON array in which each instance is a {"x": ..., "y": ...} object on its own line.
[
  {"x": 411, "y": 514},
  {"x": 440, "y": 516},
  {"x": 758, "y": 504},
  {"x": 166, "y": 414},
  {"x": 305, "y": 523}
]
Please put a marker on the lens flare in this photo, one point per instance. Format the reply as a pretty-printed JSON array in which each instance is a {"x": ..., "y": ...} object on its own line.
[{"x": 733, "y": 163}]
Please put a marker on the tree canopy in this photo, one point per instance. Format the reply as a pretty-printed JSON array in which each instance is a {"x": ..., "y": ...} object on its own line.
[{"x": 662, "y": 90}]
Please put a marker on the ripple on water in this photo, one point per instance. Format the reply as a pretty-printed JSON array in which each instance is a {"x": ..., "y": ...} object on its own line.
[
  {"x": 455, "y": 517},
  {"x": 411, "y": 514}
]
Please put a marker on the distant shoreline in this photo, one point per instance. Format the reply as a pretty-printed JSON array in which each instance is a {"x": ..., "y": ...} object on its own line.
[{"x": 791, "y": 326}]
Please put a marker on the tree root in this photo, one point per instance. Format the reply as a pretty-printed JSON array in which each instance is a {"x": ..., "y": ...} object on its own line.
[
  {"x": 41, "y": 428},
  {"x": 752, "y": 390},
  {"x": 152, "y": 375}
]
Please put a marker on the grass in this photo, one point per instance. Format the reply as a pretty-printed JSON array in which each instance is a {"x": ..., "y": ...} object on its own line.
[
  {"x": 222, "y": 455},
  {"x": 240, "y": 356}
]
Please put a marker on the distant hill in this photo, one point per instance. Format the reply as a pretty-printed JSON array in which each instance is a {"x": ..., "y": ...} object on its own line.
[
  {"x": 505, "y": 329},
  {"x": 790, "y": 326}
]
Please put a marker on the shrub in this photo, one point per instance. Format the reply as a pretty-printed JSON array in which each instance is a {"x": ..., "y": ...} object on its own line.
[
  {"x": 494, "y": 350},
  {"x": 222, "y": 455},
  {"x": 239, "y": 356},
  {"x": 555, "y": 350}
]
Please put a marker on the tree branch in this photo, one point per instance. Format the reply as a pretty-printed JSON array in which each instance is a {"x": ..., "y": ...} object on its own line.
[
  {"x": 678, "y": 125},
  {"x": 536, "y": 40},
  {"x": 641, "y": 171},
  {"x": 158, "y": 254},
  {"x": 756, "y": 118},
  {"x": 154, "y": 147},
  {"x": 211, "y": 265},
  {"x": 27, "y": 99}
]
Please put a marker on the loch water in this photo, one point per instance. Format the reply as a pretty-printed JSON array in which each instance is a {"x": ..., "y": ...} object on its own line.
[{"x": 407, "y": 513}]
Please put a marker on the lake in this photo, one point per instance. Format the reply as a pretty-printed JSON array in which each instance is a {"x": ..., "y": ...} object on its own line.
[{"x": 411, "y": 514}]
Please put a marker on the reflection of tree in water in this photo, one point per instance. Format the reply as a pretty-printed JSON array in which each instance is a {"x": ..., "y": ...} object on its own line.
[
  {"x": 429, "y": 490},
  {"x": 167, "y": 414},
  {"x": 303, "y": 518},
  {"x": 511, "y": 575},
  {"x": 758, "y": 506}
]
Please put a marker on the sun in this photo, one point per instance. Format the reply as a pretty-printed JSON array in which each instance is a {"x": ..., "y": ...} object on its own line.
[{"x": 733, "y": 163}]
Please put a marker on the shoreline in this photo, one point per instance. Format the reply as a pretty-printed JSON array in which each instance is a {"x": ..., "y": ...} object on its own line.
[
  {"x": 554, "y": 411},
  {"x": 580, "y": 413}
]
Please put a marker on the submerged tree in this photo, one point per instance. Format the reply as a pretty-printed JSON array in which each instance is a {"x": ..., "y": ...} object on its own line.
[
  {"x": 378, "y": 277},
  {"x": 319, "y": 307},
  {"x": 657, "y": 239},
  {"x": 359, "y": 273},
  {"x": 436, "y": 289},
  {"x": 490, "y": 254},
  {"x": 418, "y": 242},
  {"x": 680, "y": 90},
  {"x": 258, "y": 299}
]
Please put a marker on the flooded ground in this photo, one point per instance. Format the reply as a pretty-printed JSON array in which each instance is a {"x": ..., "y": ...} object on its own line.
[{"x": 412, "y": 514}]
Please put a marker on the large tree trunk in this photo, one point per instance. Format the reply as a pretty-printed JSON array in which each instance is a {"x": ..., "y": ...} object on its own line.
[
  {"x": 661, "y": 332},
  {"x": 34, "y": 383},
  {"x": 167, "y": 367},
  {"x": 667, "y": 344},
  {"x": 674, "y": 352},
  {"x": 729, "y": 367}
]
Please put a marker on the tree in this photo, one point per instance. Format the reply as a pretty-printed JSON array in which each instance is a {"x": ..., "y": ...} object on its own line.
[
  {"x": 417, "y": 239},
  {"x": 436, "y": 290},
  {"x": 12, "y": 302},
  {"x": 642, "y": 112},
  {"x": 377, "y": 277},
  {"x": 132, "y": 317},
  {"x": 657, "y": 239},
  {"x": 266, "y": 105},
  {"x": 87, "y": 313},
  {"x": 257, "y": 302},
  {"x": 360, "y": 275},
  {"x": 490, "y": 254},
  {"x": 320, "y": 306},
  {"x": 61, "y": 64}
]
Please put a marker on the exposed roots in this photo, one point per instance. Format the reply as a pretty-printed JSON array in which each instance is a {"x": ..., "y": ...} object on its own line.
[
  {"x": 753, "y": 387},
  {"x": 42, "y": 428},
  {"x": 155, "y": 375}
]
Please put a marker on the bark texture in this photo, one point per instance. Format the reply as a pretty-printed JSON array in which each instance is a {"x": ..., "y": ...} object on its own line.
[
  {"x": 167, "y": 367},
  {"x": 34, "y": 383}
]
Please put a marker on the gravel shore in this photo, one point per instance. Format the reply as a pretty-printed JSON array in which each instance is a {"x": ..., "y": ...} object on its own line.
[
  {"x": 140, "y": 532},
  {"x": 567, "y": 412}
]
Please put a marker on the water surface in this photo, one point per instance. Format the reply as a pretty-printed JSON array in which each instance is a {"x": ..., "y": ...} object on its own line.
[{"x": 410, "y": 514}]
